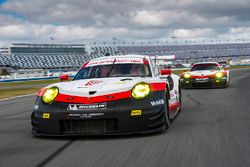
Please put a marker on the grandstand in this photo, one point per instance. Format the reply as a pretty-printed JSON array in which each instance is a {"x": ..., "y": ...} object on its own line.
[
  {"x": 44, "y": 56},
  {"x": 46, "y": 61},
  {"x": 71, "y": 56},
  {"x": 103, "y": 50},
  {"x": 191, "y": 51},
  {"x": 188, "y": 54},
  {"x": 4, "y": 51}
]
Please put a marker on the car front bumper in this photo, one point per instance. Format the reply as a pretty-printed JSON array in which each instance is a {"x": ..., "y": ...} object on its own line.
[
  {"x": 203, "y": 83},
  {"x": 125, "y": 116}
]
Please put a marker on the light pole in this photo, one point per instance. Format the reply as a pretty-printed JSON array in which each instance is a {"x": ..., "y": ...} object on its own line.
[{"x": 52, "y": 39}]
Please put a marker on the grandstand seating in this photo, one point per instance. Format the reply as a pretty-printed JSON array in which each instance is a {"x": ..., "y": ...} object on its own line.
[
  {"x": 42, "y": 61},
  {"x": 104, "y": 49},
  {"x": 190, "y": 51},
  {"x": 219, "y": 52}
]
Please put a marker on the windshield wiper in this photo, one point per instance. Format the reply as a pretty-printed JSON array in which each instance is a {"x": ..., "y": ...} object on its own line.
[{"x": 108, "y": 74}]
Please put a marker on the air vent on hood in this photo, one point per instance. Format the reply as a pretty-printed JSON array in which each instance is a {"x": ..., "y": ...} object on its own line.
[
  {"x": 126, "y": 79},
  {"x": 92, "y": 92}
]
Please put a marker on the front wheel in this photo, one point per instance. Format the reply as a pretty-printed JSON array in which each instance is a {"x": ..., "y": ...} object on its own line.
[
  {"x": 166, "y": 116},
  {"x": 180, "y": 95},
  {"x": 226, "y": 85},
  {"x": 228, "y": 82}
]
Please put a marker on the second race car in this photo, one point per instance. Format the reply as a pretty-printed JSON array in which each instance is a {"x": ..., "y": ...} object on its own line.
[{"x": 205, "y": 75}]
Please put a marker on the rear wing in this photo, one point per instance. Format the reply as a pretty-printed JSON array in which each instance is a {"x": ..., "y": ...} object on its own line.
[
  {"x": 164, "y": 57},
  {"x": 163, "y": 61},
  {"x": 224, "y": 64}
]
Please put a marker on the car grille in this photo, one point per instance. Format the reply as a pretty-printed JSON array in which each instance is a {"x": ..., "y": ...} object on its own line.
[
  {"x": 202, "y": 85},
  {"x": 88, "y": 126}
]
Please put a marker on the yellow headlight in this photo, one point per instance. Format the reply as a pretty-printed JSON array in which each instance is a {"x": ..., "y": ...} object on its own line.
[
  {"x": 219, "y": 74},
  {"x": 140, "y": 91},
  {"x": 50, "y": 94},
  {"x": 187, "y": 75}
]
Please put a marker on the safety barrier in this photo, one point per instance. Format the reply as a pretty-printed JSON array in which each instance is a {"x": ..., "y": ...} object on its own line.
[{"x": 30, "y": 79}]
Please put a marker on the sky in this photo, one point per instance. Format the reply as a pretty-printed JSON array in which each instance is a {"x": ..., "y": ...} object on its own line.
[{"x": 79, "y": 21}]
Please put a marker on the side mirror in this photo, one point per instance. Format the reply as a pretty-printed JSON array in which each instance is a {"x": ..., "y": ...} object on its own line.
[
  {"x": 166, "y": 72},
  {"x": 64, "y": 77},
  {"x": 226, "y": 67}
]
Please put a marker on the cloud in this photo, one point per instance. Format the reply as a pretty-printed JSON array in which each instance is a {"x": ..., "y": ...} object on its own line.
[
  {"x": 237, "y": 33},
  {"x": 43, "y": 32},
  {"x": 193, "y": 33},
  {"x": 74, "y": 20},
  {"x": 149, "y": 18}
]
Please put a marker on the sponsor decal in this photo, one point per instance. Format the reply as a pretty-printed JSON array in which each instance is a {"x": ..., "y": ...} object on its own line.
[
  {"x": 136, "y": 112},
  {"x": 118, "y": 61},
  {"x": 93, "y": 82},
  {"x": 46, "y": 115},
  {"x": 94, "y": 63},
  {"x": 201, "y": 79},
  {"x": 87, "y": 115},
  {"x": 129, "y": 61},
  {"x": 81, "y": 107},
  {"x": 157, "y": 102}
]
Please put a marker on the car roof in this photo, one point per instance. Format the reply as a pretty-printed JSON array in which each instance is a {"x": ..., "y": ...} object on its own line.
[
  {"x": 121, "y": 56},
  {"x": 112, "y": 58}
]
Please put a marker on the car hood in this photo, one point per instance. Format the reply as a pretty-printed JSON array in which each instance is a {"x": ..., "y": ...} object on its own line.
[
  {"x": 203, "y": 73},
  {"x": 98, "y": 86}
]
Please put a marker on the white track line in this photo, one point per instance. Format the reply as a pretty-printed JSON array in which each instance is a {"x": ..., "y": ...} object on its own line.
[{"x": 17, "y": 97}]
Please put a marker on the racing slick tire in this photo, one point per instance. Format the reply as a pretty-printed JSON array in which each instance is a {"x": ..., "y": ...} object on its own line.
[
  {"x": 33, "y": 130},
  {"x": 180, "y": 95},
  {"x": 228, "y": 83},
  {"x": 166, "y": 117}
]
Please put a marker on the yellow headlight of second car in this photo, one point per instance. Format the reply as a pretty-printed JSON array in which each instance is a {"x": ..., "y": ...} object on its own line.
[
  {"x": 219, "y": 74},
  {"x": 140, "y": 91},
  {"x": 187, "y": 75},
  {"x": 50, "y": 94}
]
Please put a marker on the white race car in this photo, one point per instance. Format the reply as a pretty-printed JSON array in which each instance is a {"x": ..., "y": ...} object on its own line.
[
  {"x": 109, "y": 95},
  {"x": 205, "y": 75}
]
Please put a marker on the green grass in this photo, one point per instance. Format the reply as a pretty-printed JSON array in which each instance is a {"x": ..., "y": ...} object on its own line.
[
  {"x": 238, "y": 67},
  {"x": 21, "y": 83},
  {"x": 29, "y": 87},
  {"x": 5, "y": 93},
  {"x": 22, "y": 88}
]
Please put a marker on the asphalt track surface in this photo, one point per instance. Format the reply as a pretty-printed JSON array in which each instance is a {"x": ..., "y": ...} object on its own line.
[{"x": 213, "y": 129}]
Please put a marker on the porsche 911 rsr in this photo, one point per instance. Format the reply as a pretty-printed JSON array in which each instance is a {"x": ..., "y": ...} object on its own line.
[
  {"x": 205, "y": 75},
  {"x": 109, "y": 95}
]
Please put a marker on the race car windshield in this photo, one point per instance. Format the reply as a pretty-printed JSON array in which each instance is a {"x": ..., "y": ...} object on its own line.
[
  {"x": 114, "y": 70},
  {"x": 200, "y": 67}
]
